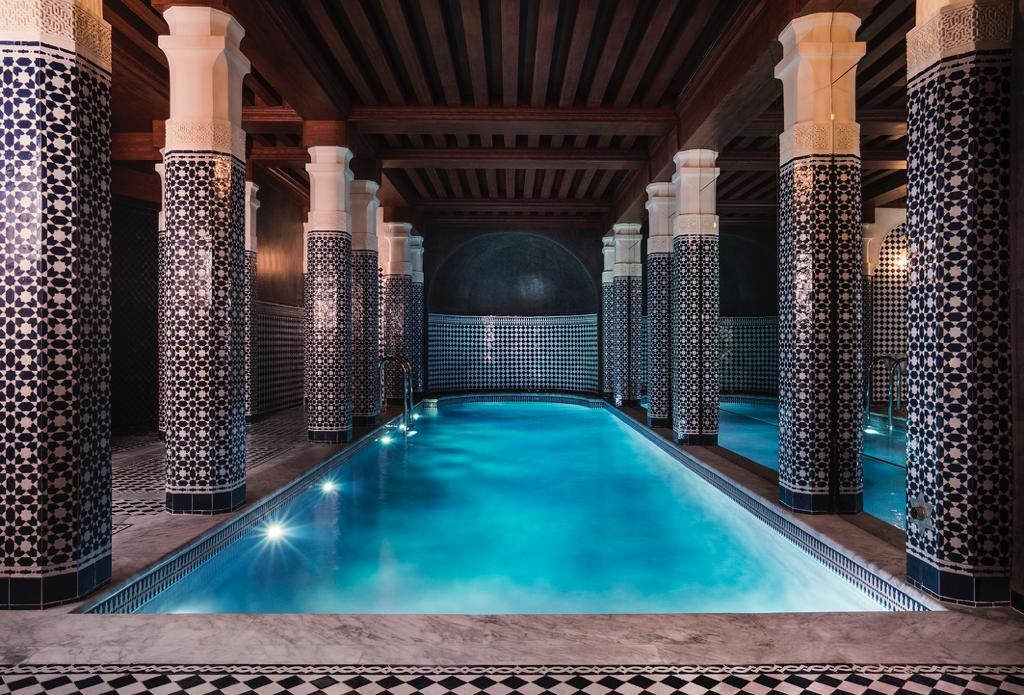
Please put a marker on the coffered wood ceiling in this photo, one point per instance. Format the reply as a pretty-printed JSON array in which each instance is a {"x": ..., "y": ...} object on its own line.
[{"x": 519, "y": 111}]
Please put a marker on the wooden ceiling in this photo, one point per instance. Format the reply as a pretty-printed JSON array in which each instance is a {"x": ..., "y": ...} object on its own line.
[{"x": 512, "y": 111}]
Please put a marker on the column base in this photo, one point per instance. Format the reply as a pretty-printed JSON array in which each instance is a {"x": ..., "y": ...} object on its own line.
[
  {"x": 960, "y": 588},
  {"x": 366, "y": 420},
  {"x": 697, "y": 439},
  {"x": 813, "y": 503},
  {"x": 629, "y": 402},
  {"x": 330, "y": 436},
  {"x": 659, "y": 421},
  {"x": 205, "y": 502},
  {"x": 42, "y": 592}
]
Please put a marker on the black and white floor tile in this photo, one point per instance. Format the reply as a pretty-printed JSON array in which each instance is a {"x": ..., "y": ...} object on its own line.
[
  {"x": 139, "y": 461},
  {"x": 513, "y": 680}
]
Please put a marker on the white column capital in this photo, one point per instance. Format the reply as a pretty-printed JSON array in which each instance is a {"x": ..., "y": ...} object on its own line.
[
  {"x": 206, "y": 68},
  {"x": 627, "y": 250},
  {"x": 662, "y": 208},
  {"x": 819, "y": 85},
  {"x": 329, "y": 180},
  {"x": 946, "y": 28},
  {"x": 608, "y": 256},
  {"x": 252, "y": 206},
  {"x": 416, "y": 257},
  {"x": 397, "y": 236},
  {"x": 886, "y": 220},
  {"x": 697, "y": 178},
  {"x": 364, "y": 205},
  {"x": 76, "y": 26}
]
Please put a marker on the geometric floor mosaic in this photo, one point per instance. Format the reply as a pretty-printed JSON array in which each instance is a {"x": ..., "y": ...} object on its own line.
[
  {"x": 138, "y": 463},
  {"x": 513, "y": 680}
]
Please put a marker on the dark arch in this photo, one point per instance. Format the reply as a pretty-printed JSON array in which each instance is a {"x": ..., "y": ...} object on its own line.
[{"x": 512, "y": 274}]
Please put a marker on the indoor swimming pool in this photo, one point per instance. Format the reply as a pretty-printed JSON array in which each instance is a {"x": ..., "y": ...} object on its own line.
[
  {"x": 509, "y": 507},
  {"x": 750, "y": 427}
]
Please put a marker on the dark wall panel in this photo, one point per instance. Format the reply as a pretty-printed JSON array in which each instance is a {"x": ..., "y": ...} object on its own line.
[
  {"x": 513, "y": 273},
  {"x": 133, "y": 297},
  {"x": 749, "y": 269},
  {"x": 279, "y": 235}
]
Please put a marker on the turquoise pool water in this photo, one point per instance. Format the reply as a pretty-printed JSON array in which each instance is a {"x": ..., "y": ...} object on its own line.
[
  {"x": 512, "y": 508},
  {"x": 751, "y": 429}
]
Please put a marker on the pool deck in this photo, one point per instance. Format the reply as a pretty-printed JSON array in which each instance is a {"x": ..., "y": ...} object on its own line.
[{"x": 33, "y": 642}]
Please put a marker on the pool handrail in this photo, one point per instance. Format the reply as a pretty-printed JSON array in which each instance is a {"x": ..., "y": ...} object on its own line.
[
  {"x": 869, "y": 381},
  {"x": 895, "y": 385},
  {"x": 407, "y": 400}
]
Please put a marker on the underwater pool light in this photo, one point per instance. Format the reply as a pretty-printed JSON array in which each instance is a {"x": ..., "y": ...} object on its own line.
[
  {"x": 275, "y": 531},
  {"x": 415, "y": 416},
  {"x": 386, "y": 439},
  {"x": 328, "y": 486},
  {"x": 871, "y": 430}
]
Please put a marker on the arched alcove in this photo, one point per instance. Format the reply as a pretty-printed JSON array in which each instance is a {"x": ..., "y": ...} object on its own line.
[{"x": 512, "y": 274}]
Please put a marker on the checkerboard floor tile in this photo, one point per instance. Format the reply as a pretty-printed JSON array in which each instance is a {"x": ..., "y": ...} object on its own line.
[
  {"x": 138, "y": 461},
  {"x": 509, "y": 680}
]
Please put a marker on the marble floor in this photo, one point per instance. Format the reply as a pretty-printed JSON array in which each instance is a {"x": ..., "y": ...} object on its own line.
[{"x": 955, "y": 650}]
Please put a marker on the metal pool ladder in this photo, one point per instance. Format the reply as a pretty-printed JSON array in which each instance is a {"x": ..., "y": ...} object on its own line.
[{"x": 406, "y": 368}]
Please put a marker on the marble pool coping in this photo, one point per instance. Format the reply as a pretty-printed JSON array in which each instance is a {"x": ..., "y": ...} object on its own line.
[{"x": 992, "y": 636}]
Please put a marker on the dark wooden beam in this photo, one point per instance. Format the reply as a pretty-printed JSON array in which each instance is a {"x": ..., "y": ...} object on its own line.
[
  {"x": 433, "y": 17},
  {"x": 524, "y": 158},
  {"x": 540, "y": 207},
  {"x": 768, "y": 160},
  {"x": 398, "y": 25},
  {"x": 582, "y": 31},
  {"x": 622, "y": 20},
  {"x": 515, "y": 120},
  {"x": 656, "y": 27},
  {"x": 473, "y": 33},
  {"x": 286, "y": 55},
  {"x": 510, "y": 52},
  {"x": 279, "y": 156},
  {"x": 271, "y": 119},
  {"x": 547, "y": 21},
  {"x": 519, "y": 222}
]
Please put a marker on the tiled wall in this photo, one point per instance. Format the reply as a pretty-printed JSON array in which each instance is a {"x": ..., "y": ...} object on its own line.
[
  {"x": 278, "y": 359},
  {"x": 888, "y": 325},
  {"x": 133, "y": 300},
  {"x": 491, "y": 353},
  {"x": 750, "y": 354}
]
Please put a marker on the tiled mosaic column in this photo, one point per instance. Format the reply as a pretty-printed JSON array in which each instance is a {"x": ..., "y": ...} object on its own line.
[
  {"x": 204, "y": 281},
  {"x": 55, "y": 145},
  {"x": 959, "y": 456},
  {"x": 416, "y": 318},
  {"x": 396, "y": 288},
  {"x": 162, "y": 318},
  {"x": 694, "y": 282},
  {"x": 607, "y": 304},
  {"x": 820, "y": 331},
  {"x": 252, "y": 206},
  {"x": 365, "y": 303},
  {"x": 661, "y": 215},
  {"x": 626, "y": 315},
  {"x": 328, "y": 297}
]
